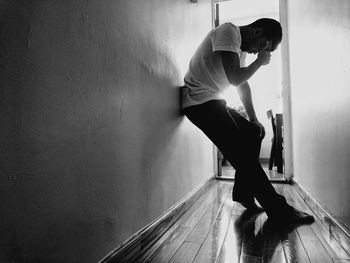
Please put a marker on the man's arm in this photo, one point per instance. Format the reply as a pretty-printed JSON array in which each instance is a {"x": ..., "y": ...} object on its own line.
[
  {"x": 245, "y": 96},
  {"x": 238, "y": 77},
  {"x": 236, "y": 74}
]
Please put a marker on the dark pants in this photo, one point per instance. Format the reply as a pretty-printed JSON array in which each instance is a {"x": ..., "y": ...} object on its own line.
[{"x": 239, "y": 142}]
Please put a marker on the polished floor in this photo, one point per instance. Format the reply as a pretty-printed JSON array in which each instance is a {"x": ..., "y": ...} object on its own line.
[
  {"x": 229, "y": 172},
  {"x": 216, "y": 229}
]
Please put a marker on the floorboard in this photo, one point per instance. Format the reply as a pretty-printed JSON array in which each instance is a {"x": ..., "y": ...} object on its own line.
[
  {"x": 329, "y": 242},
  {"x": 216, "y": 229},
  {"x": 229, "y": 172},
  {"x": 211, "y": 245},
  {"x": 316, "y": 250},
  {"x": 232, "y": 245},
  {"x": 272, "y": 243},
  {"x": 180, "y": 233},
  {"x": 294, "y": 250},
  {"x": 186, "y": 253}
]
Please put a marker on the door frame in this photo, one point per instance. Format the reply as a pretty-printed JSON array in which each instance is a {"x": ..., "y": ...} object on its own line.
[{"x": 286, "y": 94}]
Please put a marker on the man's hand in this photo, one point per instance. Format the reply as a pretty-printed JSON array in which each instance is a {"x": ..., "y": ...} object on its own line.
[
  {"x": 264, "y": 57},
  {"x": 260, "y": 128}
]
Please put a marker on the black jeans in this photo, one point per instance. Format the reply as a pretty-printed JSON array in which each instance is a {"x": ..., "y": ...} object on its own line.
[{"x": 239, "y": 142}]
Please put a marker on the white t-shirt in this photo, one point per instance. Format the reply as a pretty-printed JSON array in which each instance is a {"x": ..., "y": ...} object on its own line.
[{"x": 206, "y": 79}]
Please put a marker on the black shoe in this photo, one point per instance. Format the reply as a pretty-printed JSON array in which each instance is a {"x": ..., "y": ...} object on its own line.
[
  {"x": 252, "y": 207},
  {"x": 293, "y": 216}
]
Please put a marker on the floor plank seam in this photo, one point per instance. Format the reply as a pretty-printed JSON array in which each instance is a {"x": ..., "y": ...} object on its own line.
[
  {"x": 188, "y": 213},
  {"x": 322, "y": 224},
  {"x": 225, "y": 188},
  {"x": 322, "y": 207},
  {"x": 289, "y": 198},
  {"x": 215, "y": 217},
  {"x": 213, "y": 223},
  {"x": 220, "y": 250},
  {"x": 212, "y": 230},
  {"x": 302, "y": 243},
  {"x": 315, "y": 236},
  {"x": 230, "y": 222}
]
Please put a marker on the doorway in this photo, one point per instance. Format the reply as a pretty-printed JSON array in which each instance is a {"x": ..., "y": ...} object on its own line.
[{"x": 266, "y": 87}]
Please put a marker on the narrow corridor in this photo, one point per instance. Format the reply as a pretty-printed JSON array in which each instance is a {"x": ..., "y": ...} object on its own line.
[{"x": 96, "y": 153}]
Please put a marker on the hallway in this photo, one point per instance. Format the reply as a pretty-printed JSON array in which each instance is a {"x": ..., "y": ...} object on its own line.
[
  {"x": 215, "y": 229},
  {"x": 95, "y": 148}
]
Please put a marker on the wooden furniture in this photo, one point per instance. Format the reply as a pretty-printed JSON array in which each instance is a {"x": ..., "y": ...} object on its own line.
[
  {"x": 279, "y": 142},
  {"x": 276, "y": 154}
]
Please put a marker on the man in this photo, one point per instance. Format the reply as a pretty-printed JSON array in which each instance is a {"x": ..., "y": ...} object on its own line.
[{"x": 217, "y": 64}]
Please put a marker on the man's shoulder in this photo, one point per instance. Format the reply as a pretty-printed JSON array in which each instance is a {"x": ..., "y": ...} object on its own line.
[
  {"x": 228, "y": 29},
  {"x": 226, "y": 37},
  {"x": 228, "y": 25}
]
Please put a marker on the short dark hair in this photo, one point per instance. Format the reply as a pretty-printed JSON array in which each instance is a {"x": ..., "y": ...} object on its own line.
[{"x": 272, "y": 30}]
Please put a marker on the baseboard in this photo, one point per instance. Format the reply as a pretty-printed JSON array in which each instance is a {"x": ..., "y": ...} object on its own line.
[
  {"x": 138, "y": 243},
  {"x": 336, "y": 229}
]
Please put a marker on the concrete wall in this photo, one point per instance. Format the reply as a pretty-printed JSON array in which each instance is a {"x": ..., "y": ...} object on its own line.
[
  {"x": 92, "y": 145},
  {"x": 319, "y": 35}
]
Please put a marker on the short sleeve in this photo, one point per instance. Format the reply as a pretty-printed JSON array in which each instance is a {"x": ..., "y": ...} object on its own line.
[
  {"x": 226, "y": 37},
  {"x": 242, "y": 59}
]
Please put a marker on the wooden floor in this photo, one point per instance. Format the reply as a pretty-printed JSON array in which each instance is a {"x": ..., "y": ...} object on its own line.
[
  {"x": 216, "y": 229},
  {"x": 229, "y": 172}
]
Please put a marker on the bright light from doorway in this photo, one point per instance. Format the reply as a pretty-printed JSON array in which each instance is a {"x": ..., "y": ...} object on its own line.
[{"x": 266, "y": 84}]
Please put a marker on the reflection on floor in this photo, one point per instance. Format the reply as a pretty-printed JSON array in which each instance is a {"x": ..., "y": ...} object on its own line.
[
  {"x": 216, "y": 229},
  {"x": 229, "y": 172}
]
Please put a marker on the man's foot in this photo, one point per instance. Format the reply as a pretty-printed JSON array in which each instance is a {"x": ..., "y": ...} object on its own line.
[
  {"x": 293, "y": 216},
  {"x": 251, "y": 206}
]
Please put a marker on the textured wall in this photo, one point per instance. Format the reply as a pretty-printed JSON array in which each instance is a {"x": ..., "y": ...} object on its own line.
[
  {"x": 319, "y": 54},
  {"x": 92, "y": 144}
]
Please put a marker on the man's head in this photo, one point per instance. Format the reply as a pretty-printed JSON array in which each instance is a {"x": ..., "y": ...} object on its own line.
[{"x": 262, "y": 34}]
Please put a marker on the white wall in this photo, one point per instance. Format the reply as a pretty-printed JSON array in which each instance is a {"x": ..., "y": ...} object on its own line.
[
  {"x": 319, "y": 55},
  {"x": 242, "y": 9},
  {"x": 93, "y": 147}
]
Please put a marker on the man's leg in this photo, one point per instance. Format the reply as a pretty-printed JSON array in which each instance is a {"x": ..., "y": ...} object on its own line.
[
  {"x": 217, "y": 123},
  {"x": 222, "y": 129},
  {"x": 241, "y": 186}
]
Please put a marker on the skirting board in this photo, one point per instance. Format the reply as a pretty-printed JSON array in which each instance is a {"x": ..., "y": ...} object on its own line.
[
  {"x": 140, "y": 242},
  {"x": 336, "y": 229}
]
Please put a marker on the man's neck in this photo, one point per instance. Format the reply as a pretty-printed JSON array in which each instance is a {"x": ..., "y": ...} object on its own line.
[{"x": 243, "y": 30}]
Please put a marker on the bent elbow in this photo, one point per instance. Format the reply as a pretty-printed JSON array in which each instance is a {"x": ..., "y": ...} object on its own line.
[
  {"x": 236, "y": 78},
  {"x": 236, "y": 82}
]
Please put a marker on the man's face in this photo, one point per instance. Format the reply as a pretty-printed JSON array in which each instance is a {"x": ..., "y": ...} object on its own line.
[
  {"x": 258, "y": 44},
  {"x": 255, "y": 41}
]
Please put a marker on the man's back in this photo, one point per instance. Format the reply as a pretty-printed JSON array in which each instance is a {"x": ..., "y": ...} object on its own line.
[{"x": 206, "y": 79}]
